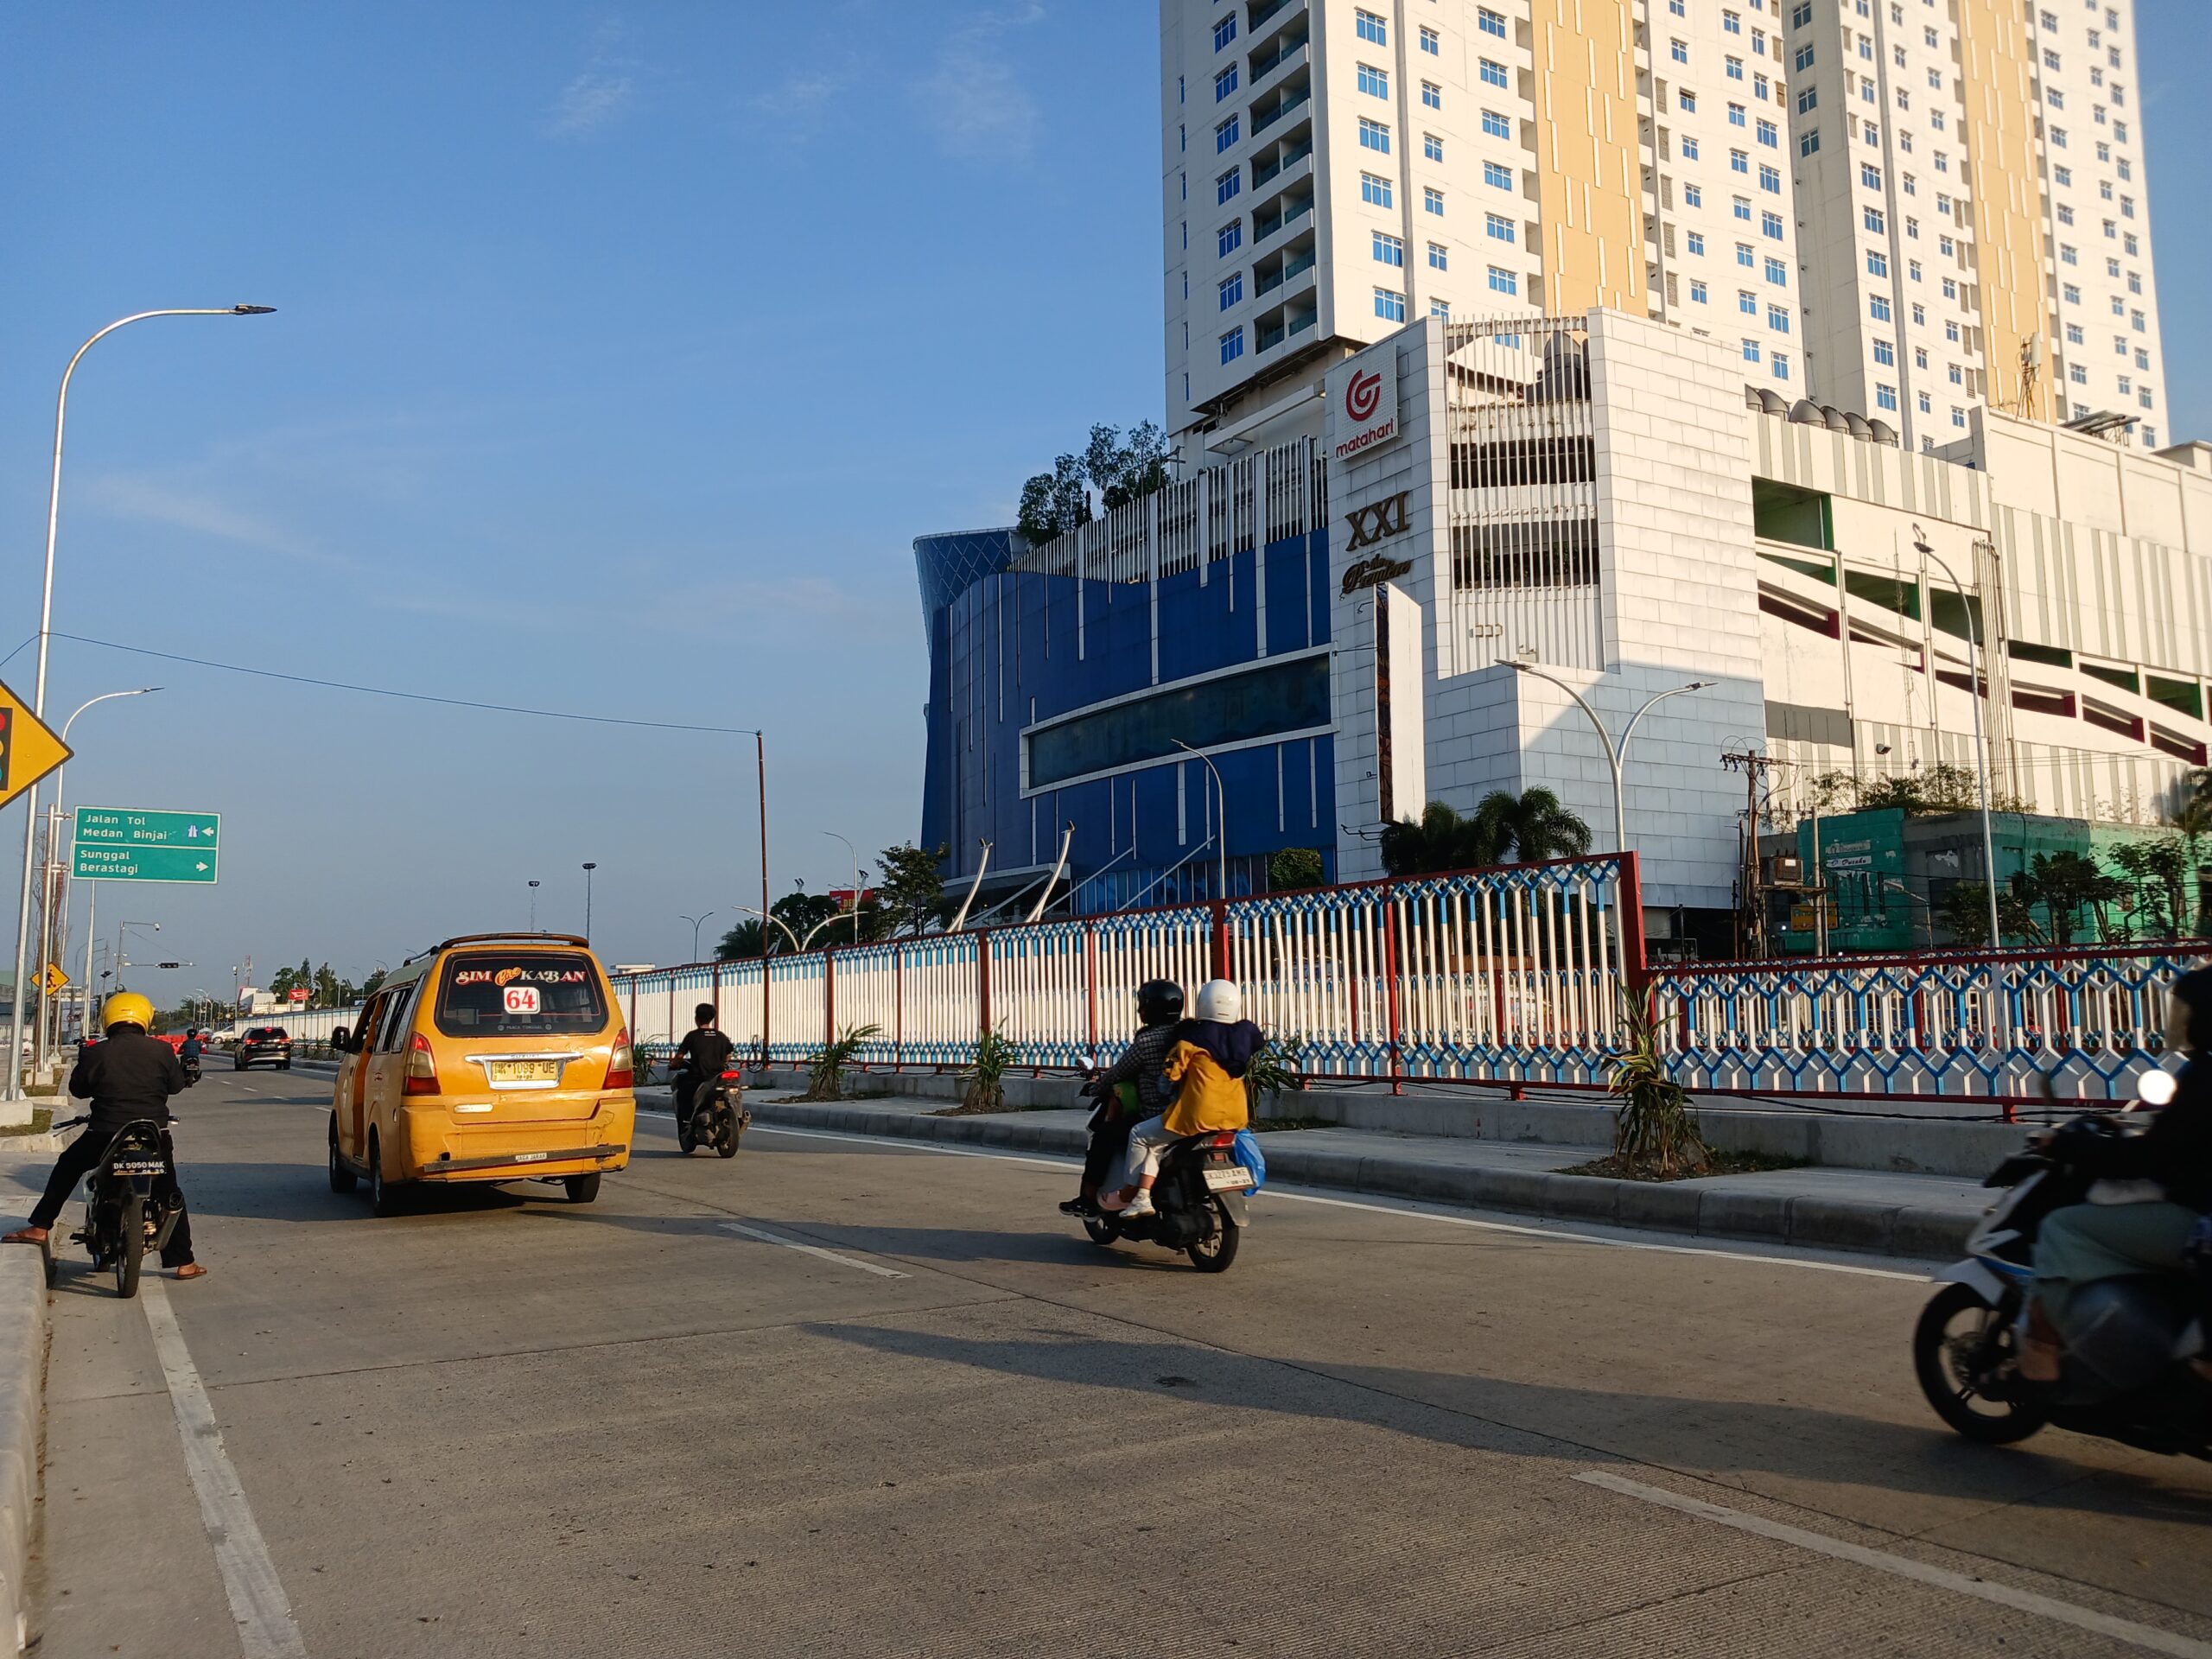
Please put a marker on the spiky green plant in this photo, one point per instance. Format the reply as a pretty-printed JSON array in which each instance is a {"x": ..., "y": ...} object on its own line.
[
  {"x": 986, "y": 1074},
  {"x": 828, "y": 1063},
  {"x": 1655, "y": 1133},
  {"x": 1279, "y": 1065}
]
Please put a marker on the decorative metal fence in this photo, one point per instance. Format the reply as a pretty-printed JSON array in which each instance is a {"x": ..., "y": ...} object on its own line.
[
  {"x": 1984, "y": 1023},
  {"x": 1509, "y": 976}
]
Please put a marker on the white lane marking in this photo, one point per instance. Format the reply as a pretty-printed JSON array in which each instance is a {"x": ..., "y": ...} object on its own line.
[
  {"x": 258, "y": 1604},
  {"x": 1565, "y": 1234},
  {"x": 2024, "y": 1601},
  {"x": 767, "y": 1237}
]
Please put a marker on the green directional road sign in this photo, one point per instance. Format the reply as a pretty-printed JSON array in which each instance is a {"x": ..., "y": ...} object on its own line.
[{"x": 122, "y": 843}]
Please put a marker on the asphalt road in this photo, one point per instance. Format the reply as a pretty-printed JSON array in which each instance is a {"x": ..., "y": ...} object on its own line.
[{"x": 504, "y": 1423}]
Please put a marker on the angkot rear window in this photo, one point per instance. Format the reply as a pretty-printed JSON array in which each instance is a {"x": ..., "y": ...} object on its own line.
[{"x": 520, "y": 993}]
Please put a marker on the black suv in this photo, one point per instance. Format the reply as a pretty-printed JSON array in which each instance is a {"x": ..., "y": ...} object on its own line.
[{"x": 269, "y": 1043}]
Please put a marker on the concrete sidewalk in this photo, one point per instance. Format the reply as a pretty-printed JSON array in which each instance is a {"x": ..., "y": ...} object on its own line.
[{"x": 1926, "y": 1218}]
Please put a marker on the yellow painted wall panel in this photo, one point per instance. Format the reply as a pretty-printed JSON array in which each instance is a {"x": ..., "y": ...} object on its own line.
[
  {"x": 2008, "y": 202},
  {"x": 1590, "y": 177}
]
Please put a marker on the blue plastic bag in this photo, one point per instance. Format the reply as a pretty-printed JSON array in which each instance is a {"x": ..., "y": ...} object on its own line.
[{"x": 1248, "y": 1154}]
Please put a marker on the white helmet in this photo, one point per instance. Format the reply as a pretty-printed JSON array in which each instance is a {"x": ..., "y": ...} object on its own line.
[{"x": 1220, "y": 999}]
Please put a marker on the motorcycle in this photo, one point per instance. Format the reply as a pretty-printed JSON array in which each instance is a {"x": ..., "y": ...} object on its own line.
[
  {"x": 190, "y": 1071},
  {"x": 2127, "y": 1376},
  {"x": 131, "y": 1201},
  {"x": 717, "y": 1117},
  {"x": 1199, "y": 1201}
]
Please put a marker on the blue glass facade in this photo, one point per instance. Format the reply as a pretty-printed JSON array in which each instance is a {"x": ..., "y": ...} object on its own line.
[{"x": 1013, "y": 651}]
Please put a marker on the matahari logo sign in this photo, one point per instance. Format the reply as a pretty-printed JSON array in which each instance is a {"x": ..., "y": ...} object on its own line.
[{"x": 1363, "y": 402}]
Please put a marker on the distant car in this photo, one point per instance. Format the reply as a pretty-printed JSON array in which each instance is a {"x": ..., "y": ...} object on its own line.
[{"x": 268, "y": 1044}]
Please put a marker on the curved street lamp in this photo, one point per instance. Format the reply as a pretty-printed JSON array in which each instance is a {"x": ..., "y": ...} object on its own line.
[
  {"x": 1616, "y": 754},
  {"x": 697, "y": 922},
  {"x": 15, "y": 1087}
]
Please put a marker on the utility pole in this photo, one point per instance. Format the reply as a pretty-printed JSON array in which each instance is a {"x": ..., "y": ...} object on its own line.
[{"x": 1754, "y": 766}]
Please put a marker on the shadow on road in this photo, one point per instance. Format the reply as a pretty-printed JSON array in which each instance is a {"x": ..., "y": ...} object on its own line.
[{"x": 1714, "y": 1437}]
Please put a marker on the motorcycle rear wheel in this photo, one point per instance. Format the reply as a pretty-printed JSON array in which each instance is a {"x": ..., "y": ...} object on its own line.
[
  {"x": 1104, "y": 1230},
  {"x": 726, "y": 1133},
  {"x": 1213, "y": 1253},
  {"x": 1953, "y": 1330},
  {"x": 130, "y": 1245}
]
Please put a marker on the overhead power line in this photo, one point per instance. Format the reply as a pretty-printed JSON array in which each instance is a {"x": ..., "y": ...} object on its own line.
[{"x": 408, "y": 696}]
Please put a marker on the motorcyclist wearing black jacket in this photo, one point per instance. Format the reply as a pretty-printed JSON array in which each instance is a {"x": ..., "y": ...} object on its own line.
[
  {"x": 701, "y": 1056},
  {"x": 2083, "y": 1243},
  {"x": 129, "y": 1076},
  {"x": 1160, "y": 1009}
]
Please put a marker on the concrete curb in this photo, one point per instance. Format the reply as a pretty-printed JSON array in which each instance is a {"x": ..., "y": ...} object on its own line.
[
  {"x": 1828, "y": 1223},
  {"x": 22, "y": 1387}
]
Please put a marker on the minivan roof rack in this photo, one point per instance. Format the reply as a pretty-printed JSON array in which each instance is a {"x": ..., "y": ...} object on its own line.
[{"x": 500, "y": 938}]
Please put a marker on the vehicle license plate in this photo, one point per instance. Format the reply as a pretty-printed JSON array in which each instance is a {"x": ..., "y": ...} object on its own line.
[
  {"x": 1228, "y": 1177},
  {"x": 531, "y": 1157},
  {"x": 525, "y": 1070}
]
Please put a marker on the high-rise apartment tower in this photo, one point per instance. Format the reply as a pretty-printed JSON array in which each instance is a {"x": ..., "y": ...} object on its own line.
[{"x": 1901, "y": 207}]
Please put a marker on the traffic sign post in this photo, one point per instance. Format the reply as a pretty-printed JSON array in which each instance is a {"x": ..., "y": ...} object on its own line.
[
  {"x": 28, "y": 750},
  {"x": 113, "y": 843}
]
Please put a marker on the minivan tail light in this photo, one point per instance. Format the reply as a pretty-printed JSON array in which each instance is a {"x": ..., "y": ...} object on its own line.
[
  {"x": 422, "y": 1068},
  {"x": 621, "y": 1065}
]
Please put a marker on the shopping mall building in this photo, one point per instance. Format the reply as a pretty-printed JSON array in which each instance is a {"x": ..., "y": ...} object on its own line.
[{"x": 1378, "y": 592}]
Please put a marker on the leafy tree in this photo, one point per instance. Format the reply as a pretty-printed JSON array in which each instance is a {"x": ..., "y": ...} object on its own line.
[
  {"x": 911, "y": 891},
  {"x": 369, "y": 985},
  {"x": 803, "y": 911},
  {"x": 1126, "y": 470},
  {"x": 1922, "y": 793},
  {"x": 2159, "y": 872},
  {"x": 327, "y": 991},
  {"x": 1054, "y": 503},
  {"x": 1532, "y": 825},
  {"x": 742, "y": 943},
  {"x": 1294, "y": 867},
  {"x": 2066, "y": 884},
  {"x": 1442, "y": 839},
  {"x": 1964, "y": 913}
]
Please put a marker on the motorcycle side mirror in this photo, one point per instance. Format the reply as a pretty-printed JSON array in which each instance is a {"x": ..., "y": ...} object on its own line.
[
  {"x": 342, "y": 1041},
  {"x": 2156, "y": 1088}
]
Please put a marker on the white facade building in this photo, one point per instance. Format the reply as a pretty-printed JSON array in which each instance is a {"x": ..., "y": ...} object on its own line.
[{"x": 1900, "y": 208}]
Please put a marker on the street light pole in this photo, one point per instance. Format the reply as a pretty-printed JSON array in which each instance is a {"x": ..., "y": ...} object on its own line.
[
  {"x": 15, "y": 1086},
  {"x": 696, "y": 923},
  {"x": 533, "y": 905},
  {"x": 1616, "y": 756},
  {"x": 588, "y": 867},
  {"x": 849, "y": 847},
  {"x": 1221, "y": 828},
  {"x": 1999, "y": 1020},
  {"x": 55, "y": 888}
]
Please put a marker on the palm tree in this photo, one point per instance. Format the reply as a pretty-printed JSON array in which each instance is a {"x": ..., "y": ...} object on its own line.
[
  {"x": 1532, "y": 825},
  {"x": 1441, "y": 841}
]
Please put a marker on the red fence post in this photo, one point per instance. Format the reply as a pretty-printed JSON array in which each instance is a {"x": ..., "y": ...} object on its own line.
[
  {"x": 1628, "y": 898},
  {"x": 983, "y": 978},
  {"x": 1090, "y": 984},
  {"x": 899, "y": 1007},
  {"x": 1220, "y": 908},
  {"x": 830, "y": 997}
]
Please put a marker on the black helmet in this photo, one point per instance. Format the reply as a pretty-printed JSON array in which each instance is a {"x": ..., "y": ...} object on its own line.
[{"x": 1160, "y": 1003}]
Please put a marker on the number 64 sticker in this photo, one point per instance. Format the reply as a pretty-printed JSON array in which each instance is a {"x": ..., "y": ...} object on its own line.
[{"x": 522, "y": 999}]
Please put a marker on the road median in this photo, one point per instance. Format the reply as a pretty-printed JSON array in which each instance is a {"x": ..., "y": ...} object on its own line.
[
  {"x": 1922, "y": 1217},
  {"x": 22, "y": 1379}
]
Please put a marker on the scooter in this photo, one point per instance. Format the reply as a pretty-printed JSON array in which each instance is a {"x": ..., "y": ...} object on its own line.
[
  {"x": 2127, "y": 1376},
  {"x": 1199, "y": 1201},
  {"x": 131, "y": 1201},
  {"x": 190, "y": 1071},
  {"x": 717, "y": 1117}
]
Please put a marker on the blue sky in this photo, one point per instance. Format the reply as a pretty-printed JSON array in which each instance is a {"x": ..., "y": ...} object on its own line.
[{"x": 621, "y": 355}]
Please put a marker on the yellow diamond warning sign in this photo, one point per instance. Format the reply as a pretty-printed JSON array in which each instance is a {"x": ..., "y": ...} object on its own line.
[
  {"x": 28, "y": 750},
  {"x": 54, "y": 978}
]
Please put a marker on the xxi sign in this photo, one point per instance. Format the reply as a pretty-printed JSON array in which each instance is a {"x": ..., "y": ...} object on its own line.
[{"x": 1377, "y": 521}]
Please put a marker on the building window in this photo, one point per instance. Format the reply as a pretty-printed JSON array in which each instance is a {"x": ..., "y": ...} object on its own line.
[
  {"x": 1800, "y": 15},
  {"x": 1748, "y": 303},
  {"x": 1502, "y": 281},
  {"x": 1232, "y": 290},
  {"x": 1373, "y": 81},
  {"x": 1225, "y": 83},
  {"x": 1432, "y": 147},
  {"x": 1751, "y": 351},
  {"x": 1388, "y": 249},
  {"x": 1777, "y": 318},
  {"x": 1885, "y": 353},
  {"x": 1692, "y": 195},
  {"x": 1872, "y": 218},
  {"x": 1373, "y": 135},
  {"x": 1877, "y": 306},
  {"x": 1878, "y": 262},
  {"x": 1958, "y": 375},
  {"x": 2073, "y": 334},
  {"x": 1769, "y": 134},
  {"x": 1885, "y": 397},
  {"x": 1232, "y": 344},
  {"x": 1489, "y": 23},
  {"x": 1389, "y": 305},
  {"x": 1958, "y": 416},
  {"x": 1375, "y": 190},
  {"x": 1778, "y": 271},
  {"x": 1439, "y": 258},
  {"x": 1870, "y": 176},
  {"x": 1809, "y": 142},
  {"x": 1920, "y": 357},
  {"x": 1771, "y": 224},
  {"x": 1432, "y": 199},
  {"x": 1431, "y": 41},
  {"x": 1770, "y": 178},
  {"x": 1225, "y": 135},
  {"x": 1499, "y": 226},
  {"x": 1739, "y": 161},
  {"x": 1496, "y": 126},
  {"x": 1698, "y": 292},
  {"x": 1498, "y": 176},
  {"x": 1227, "y": 185},
  {"x": 1440, "y": 309},
  {"x": 1679, "y": 50},
  {"x": 1697, "y": 242},
  {"x": 1688, "y": 100},
  {"x": 2077, "y": 374},
  {"x": 1229, "y": 239},
  {"x": 1494, "y": 73},
  {"x": 1371, "y": 27},
  {"x": 1224, "y": 31},
  {"x": 1779, "y": 362},
  {"x": 1735, "y": 68},
  {"x": 1809, "y": 100},
  {"x": 2072, "y": 294},
  {"x": 1432, "y": 95},
  {"x": 1690, "y": 148},
  {"x": 1736, "y": 115},
  {"x": 1741, "y": 207},
  {"x": 1746, "y": 257}
]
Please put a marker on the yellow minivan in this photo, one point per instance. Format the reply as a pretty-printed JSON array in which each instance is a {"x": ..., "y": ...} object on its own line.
[{"x": 492, "y": 1057}]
